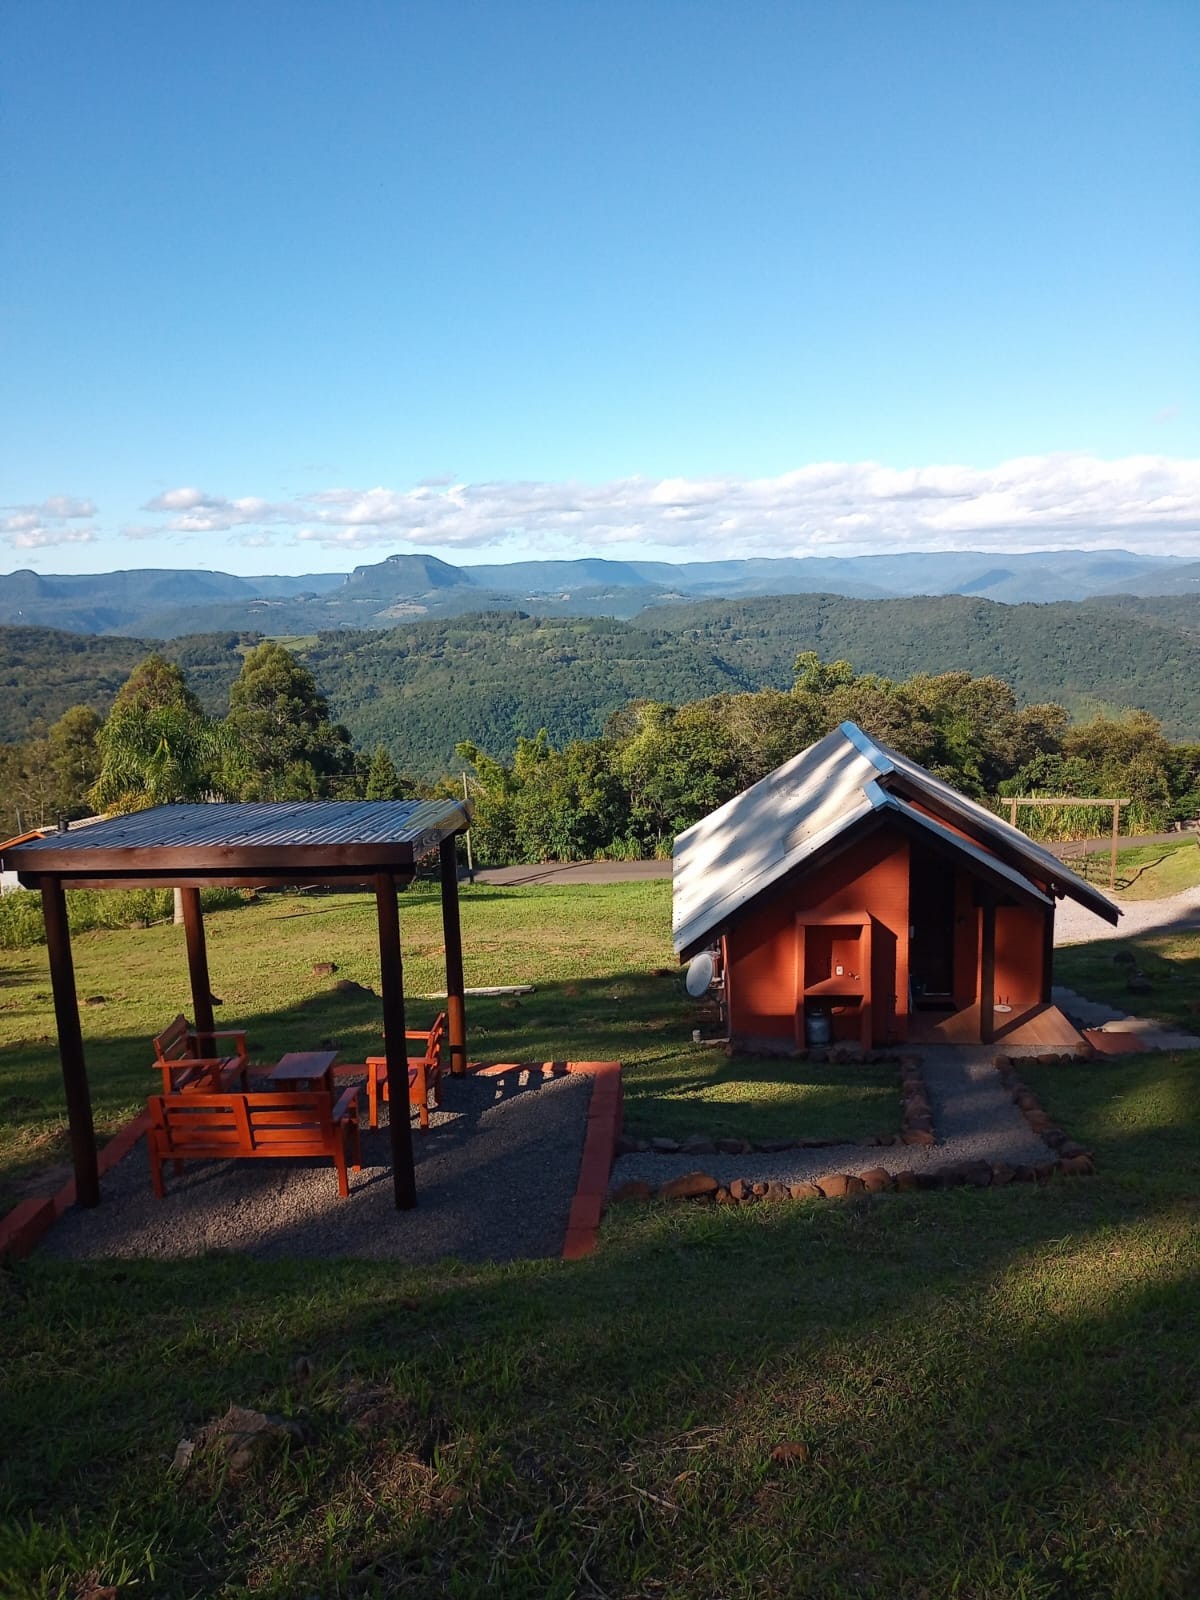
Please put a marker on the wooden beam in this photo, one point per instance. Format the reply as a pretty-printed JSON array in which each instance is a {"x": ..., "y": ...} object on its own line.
[
  {"x": 391, "y": 972},
  {"x": 1048, "y": 957},
  {"x": 1112, "y": 853},
  {"x": 987, "y": 972},
  {"x": 456, "y": 1005},
  {"x": 70, "y": 1045},
  {"x": 197, "y": 955}
]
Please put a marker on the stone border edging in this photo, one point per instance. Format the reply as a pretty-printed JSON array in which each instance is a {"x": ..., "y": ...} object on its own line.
[
  {"x": 599, "y": 1144},
  {"x": 1073, "y": 1157},
  {"x": 837, "y": 1185}
]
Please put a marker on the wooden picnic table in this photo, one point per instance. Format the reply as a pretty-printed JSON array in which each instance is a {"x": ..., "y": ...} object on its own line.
[{"x": 304, "y": 1069}]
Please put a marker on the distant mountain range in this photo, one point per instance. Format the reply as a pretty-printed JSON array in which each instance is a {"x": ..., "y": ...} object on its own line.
[{"x": 163, "y": 604}]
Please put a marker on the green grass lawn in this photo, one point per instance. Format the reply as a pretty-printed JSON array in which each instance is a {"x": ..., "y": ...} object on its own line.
[
  {"x": 1145, "y": 872},
  {"x": 998, "y": 1391},
  {"x": 608, "y": 988},
  {"x": 1170, "y": 961}
]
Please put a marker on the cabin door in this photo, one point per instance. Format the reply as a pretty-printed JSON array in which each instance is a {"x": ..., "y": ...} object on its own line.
[{"x": 931, "y": 930}]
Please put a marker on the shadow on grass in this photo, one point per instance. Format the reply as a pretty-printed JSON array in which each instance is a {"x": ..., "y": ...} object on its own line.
[
  {"x": 1168, "y": 960},
  {"x": 997, "y": 1392}
]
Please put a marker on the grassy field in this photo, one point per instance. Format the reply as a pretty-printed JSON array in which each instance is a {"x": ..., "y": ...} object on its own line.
[
  {"x": 997, "y": 1393},
  {"x": 1147, "y": 871},
  {"x": 1170, "y": 962},
  {"x": 608, "y": 988}
]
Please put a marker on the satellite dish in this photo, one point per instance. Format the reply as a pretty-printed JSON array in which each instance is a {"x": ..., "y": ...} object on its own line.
[{"x": 700, "y": 974}]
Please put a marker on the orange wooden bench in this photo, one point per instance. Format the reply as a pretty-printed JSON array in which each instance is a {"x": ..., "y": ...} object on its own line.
[
  {"x": 186, "y": 1064},
  {"x": 222, "y": 1127},
  {"x": 424, "y": 1074}
]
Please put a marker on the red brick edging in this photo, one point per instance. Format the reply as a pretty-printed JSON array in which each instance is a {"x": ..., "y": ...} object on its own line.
[
  {"x": 599, "y": 1147},
  {"x": 27, "y": 1224}
]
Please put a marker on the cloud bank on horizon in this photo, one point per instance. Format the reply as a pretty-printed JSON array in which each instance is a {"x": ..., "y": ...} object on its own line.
[{"x": 1150, "y": 503}]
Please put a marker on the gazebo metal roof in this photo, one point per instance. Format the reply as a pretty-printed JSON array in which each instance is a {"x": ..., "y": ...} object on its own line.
[{"x": 300, "y": 840}]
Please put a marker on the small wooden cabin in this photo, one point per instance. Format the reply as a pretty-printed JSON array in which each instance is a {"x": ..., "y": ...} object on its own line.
[{"x": 851, "y": 891}]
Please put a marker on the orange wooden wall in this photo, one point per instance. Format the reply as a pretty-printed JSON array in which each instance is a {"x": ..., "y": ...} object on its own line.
[{"x": 760, "y": 952}]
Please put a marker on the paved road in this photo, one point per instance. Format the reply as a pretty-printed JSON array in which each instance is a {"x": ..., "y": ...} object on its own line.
[{"x": 576, "y": 872}]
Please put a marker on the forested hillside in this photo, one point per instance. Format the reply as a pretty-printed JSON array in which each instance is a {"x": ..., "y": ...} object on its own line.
[
  {"x": 491, "y": 678},
  {"x": 1092, "y": 657},
  {"x": 494, "y": 678},
  {"x": 44, "y": 671}
]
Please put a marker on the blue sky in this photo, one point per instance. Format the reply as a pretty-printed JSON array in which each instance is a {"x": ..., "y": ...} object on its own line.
[{"x": 287, "y": 287}]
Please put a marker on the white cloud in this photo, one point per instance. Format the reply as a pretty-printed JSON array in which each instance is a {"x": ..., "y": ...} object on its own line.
[
  {"x": 32, "y": 527},
  {"x": 66, "y": 505},
  {"x": 181, "y": 500},
  {"x": 39, "y": 538},
  {"x": 1151, "y": 503}
]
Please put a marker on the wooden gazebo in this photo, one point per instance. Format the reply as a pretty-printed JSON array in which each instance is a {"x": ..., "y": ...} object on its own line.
[{"x": 337, "y": 843}]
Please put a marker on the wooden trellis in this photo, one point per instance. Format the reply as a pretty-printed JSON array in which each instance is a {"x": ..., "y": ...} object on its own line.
[{"x": 1077, "y": 800}]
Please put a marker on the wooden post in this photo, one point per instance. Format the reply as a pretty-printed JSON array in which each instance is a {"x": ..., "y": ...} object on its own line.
[
  {"x": 197, "y": 954},
  {"x": 456, "y": 1005},
  {"x": 70, "y": 1043},
  {"x": 1112, "y": 854},
  {"x": 1012, "y": 812},
  {"x": 1048, "y": 956},
  {"x": 987, "y": 973},
  {"x": 395, "y": 1046}
]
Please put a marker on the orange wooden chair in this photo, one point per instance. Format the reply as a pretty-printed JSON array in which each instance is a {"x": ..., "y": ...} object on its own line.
[
  {"x": 222, "y": 1127},
  {"x": 189, "y": 1060},
  {"x": 424, "y": 1074}
]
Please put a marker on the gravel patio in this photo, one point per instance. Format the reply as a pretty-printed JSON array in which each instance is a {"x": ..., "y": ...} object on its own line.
[{"x": 496, "y": 1176}]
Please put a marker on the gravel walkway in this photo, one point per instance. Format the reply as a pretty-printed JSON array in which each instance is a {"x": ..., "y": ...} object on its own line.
[
  {"x": 496, "y": 1175},
  {"x": 1074, "y": 924},
  {"x": 972, "y": 1115}
]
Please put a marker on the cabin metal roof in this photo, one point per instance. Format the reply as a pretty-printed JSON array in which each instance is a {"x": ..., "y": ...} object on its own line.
[
  {"x": 794, "y": 814},
  {"x": 270, "y": 836}
]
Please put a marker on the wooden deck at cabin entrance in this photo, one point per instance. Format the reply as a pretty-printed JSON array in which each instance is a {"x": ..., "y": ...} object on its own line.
[{"x": 1041, "y": 1027}]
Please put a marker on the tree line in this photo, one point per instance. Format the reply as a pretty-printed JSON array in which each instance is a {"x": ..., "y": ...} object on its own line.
[
  {"x": 659, "y": 768},
  {"x": 655, "y": 769},
  {"x": 157, "y": 746}
]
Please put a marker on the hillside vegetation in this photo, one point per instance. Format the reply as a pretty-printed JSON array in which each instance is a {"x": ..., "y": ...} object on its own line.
[
  {"x": 492, "y": 678},
  {"x": 1091, "y": 657}
]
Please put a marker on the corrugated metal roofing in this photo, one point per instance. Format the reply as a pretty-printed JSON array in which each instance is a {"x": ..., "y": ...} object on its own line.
[
  {"x": 736, "y": 852},
  {"x": 311, "y": 827}
]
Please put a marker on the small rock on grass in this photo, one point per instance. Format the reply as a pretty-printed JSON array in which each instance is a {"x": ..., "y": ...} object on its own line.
[
  {"x": 691, "y": 1186},
  {"x": 806, "y": 1191},
  {"x": 664, "y": 1147},
  {"x": 739, "y": 1189},
  {"x": 792, "y": 1454},
  {"x": 734, "y": 1147},
  {"x": 907, "y": 1181},
  {"x": 877, "y": 1180},
  {"x": 635, "y": 1189},
  {"x": 697, "y": 1144},
  {"x": 1077, "y": 1166},
  {"x": 245, "y": 1437},
  {"x": 837, "y": 1184}
]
